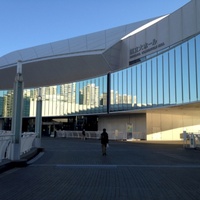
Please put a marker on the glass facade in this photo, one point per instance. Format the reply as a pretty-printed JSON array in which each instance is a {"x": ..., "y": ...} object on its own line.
[
  {"x": 84, "y": 97},
  {"x": 168, "y": 78},
  {"x": 172, "y": 77}
]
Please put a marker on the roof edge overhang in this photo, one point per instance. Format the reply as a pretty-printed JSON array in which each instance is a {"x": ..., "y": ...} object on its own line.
[{"x": 56, "y": 70}]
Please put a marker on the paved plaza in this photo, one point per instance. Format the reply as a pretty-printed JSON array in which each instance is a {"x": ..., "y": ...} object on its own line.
[{"x": 73, "y": 169}]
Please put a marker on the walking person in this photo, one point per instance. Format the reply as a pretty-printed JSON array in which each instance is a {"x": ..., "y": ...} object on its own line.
[
  {"x": 104, "y": 141},
  {"x": 83, "y": 134}
]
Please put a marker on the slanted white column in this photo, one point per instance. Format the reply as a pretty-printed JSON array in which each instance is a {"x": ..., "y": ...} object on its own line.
[
  {"x": 38, "y": 120},
  {"x": 17, "y": 113}
]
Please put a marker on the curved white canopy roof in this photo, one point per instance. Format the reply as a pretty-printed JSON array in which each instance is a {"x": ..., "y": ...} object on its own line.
[{"x": 67, "y": 60}]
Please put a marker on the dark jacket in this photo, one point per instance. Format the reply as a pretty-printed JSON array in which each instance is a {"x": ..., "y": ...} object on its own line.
[{"x": 104, "y": 137}]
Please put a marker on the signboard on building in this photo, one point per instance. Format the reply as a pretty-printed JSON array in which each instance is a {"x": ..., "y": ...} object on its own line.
[{"x": 145, "y": 48}]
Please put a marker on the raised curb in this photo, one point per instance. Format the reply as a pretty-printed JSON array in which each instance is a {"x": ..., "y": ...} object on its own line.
[{"x": 10, "y": 164}]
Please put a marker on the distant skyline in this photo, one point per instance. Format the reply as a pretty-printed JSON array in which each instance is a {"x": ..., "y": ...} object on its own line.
[{"x": 34, "y": 22}]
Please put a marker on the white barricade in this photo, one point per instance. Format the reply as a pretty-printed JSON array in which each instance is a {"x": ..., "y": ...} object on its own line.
[
  {"x": 191, "y": 140},
  {"x": 27, "y": 140},
  {"x": 96, "y": 135},
  {"x": 78, "y": 134},
  {"x": 6, "y": 138},
  {"x": 5, "y": 145}
]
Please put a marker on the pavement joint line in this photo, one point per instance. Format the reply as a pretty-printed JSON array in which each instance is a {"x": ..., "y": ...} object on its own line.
[{"x": 112, "y": 166}]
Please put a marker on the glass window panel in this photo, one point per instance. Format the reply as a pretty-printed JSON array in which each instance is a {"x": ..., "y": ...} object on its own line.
[
  {"x": 56, "y": 101},
  {"x": 26, "y": 103},
  {"x": 87, "y": 95},
  {"x": 115, "y": 91},
  {"x": 66, "y": 103},
  {"x": 172, "y": 83},
  {"x": 198, "y": 64},
  {"x": 192, "y": 71},
  {"x": 144, "y": 84},
  {"x": 129, "y": 88},
  {"x": 96, "y": 95},
  {"x": 154, "y": 82},
  {"x": 133, "y": 81},
  {"x": 166, "y": 77},
  {"x": 82, "y": 97},
  {"x": 71, "y": 94},
  {"x": 124, "y": 87},
  {"x": 105, "y": 93},
  {"x": 120, "y": 90},
  {"x": 178, "y": 64},
  {"x": 8, "y": 102},
  {"x": 50, "y": 90},
  {"x": 1, "y": 93},
  {"x": 58, "y": 96},
  {"x": 149, "y": 83},
  {"x": 100, "y": 95},
  {"x": 1, "y": 103},
  {"x": 77, "y": 96},
  {"x": 92, "y": 93},
  {"x": 46, "y": 101},
  {"x": 139, "y": 86},
  {"x": 33, "y": 102},
  {"x": 73, "y": 103},
  {"x": 160, "y": 80},
  {"x": 111, "y": 91},
  {"x": 90, "y": 88},
  {"x": 185, "y": 72}
]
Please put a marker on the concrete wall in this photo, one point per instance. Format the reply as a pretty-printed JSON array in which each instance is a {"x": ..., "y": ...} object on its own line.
[
  {"x": 168, "y": 124},
  {"x": 117, "y": 124}
]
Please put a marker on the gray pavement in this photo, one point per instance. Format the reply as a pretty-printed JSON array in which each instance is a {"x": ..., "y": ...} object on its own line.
[{"x": 74, "y": 169}]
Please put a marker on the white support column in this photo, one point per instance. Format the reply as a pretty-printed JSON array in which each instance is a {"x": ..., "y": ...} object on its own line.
[
  {"x": 17, "y": 112},
  {"x": 38, "y": 120}
]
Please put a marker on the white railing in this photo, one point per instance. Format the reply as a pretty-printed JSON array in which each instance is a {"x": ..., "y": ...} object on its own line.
[
  {"x": 78, "y": 134},
  {"x": 96, "y": 135},
  {"x": 191, "y": 140},
  {"x": 6, "y": 138},
  {"x": 5, "y": 145},
  {"x": 27, "y": 142}
]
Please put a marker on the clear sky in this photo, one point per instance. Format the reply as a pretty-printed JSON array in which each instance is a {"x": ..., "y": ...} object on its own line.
[{"x": 27, "y": 23}]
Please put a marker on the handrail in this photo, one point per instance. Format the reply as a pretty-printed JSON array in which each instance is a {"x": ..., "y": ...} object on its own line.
[
  {"x": 191, "y": 140},
  {"x": 5, "y": 145},
  {"x": 96, "y": 134},
  {"x": 27, "y": 140},
  {"x": 6, "y": 140},
  {"x": 78, "y": 134}
]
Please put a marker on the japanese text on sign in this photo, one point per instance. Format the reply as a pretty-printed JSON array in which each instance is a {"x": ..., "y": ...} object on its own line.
[{"x": 145, "y": 48}]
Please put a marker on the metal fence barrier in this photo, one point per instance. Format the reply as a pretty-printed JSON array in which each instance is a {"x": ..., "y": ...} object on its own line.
[
  {"x": 5, "y": 145},
  {"x": 190, "y": 140},
  {"x": 6, "y": 139},
  {"x": 27, "y": 142},
  {"x": 97, "y": 134},
  {"x": 77, "y": 134}
]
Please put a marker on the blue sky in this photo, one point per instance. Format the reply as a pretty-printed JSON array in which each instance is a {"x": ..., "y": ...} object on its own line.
[{"x": 26, "y": 23}]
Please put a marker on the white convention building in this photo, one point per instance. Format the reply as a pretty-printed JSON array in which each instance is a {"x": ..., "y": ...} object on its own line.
[{"x": 141, "y": 80}]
